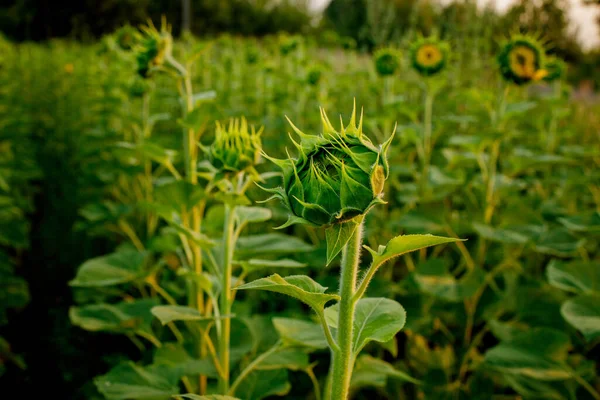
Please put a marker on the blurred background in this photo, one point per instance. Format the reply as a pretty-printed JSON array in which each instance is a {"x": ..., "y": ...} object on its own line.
[{"x": 570, "y": 25}]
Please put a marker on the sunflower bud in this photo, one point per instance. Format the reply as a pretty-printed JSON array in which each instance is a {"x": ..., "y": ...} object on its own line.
[
  {"x": 428, "y": 56},
  {"x": 288, "y": 44},
  {"x": 387, "y": 61},
  {"x": 153, "y": 48},
  {"x": 337, "y": 176},
  {"x": 314, "y": 74},
  {"x": 236, "y": 148},
  {"x": 521, "y": 60},
  {"x": 127, "y": 37}
]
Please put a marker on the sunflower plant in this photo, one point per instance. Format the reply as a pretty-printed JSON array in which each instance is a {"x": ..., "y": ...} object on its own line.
[{"x": 337, "y": 177}]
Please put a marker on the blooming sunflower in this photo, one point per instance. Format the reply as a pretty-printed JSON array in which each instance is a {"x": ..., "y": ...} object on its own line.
[
  {"x": 429, "y": 56},
  {"x": 521, "y": 60}
]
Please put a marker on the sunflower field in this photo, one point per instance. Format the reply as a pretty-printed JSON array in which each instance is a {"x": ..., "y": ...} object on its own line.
[{"x": 292, "y": 217}]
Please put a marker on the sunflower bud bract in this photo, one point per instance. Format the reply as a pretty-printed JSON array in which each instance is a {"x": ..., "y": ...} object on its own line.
[
  {"x": 337, "y": 176},
  {"x": 236, "y": 148},
  {"x": 521, "y": 60}
]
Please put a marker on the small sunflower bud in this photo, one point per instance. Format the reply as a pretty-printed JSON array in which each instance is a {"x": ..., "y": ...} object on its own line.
[
  {"x": 314, "y": 74},
  {"x": 387, "y": 61},
  {"x": 127, "y": 37},
  {"x": 521, "y": 60},
  {"x": 337, "y": 176},
  {"x": 288, "y": 44},
  {"x": 236, "y": 148},
  {"x": 429, "y": 56},
  {"x": 153, "y": 48}
]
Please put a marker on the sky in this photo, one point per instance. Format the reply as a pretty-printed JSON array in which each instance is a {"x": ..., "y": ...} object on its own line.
[{"x": 582, "y": 18}]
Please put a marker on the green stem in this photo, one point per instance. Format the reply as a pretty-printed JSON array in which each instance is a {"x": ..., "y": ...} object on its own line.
[
  {"x": 343, "y": 358},
  {"x": 225, "y": 298},
  {"x": 427, "y": 141}
]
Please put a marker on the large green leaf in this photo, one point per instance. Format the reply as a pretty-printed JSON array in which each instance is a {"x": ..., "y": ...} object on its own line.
[
  {"x": 433, "y": 278},
  {"x": 582, "y": 223},
  {"x": 539, "y": 354},
  {"x": 168, "y": 314},
  {"x": 507, "y": 235},
  {"x": 559, "y": 242},
  {"x": 269, "y": 244},
  {"x": 583, "y": 312},
  {"x": 375, "y": 319},
  {"x": 257, "y": 264},
  {"x": 371, "y": 371},
  {"x": 246, "y": 215},
  {"x": 131, "y": 382},
  {"x": 285, "y": 357},
  {"x": 576, "y": 276},
  {"x": 113, "y": 269},
  {"x": 178, "y": 195},
  {"x": 122, "y": 317},
  {"x": 261, "y": 384},
  {"x": 300, "y": 287},
  {"x": 297, "y": 332},
  {"x": 175, "y": 357}
]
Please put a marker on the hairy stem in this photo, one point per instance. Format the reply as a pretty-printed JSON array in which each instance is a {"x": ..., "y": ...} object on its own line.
[
  {"x": 343, "y": 358},
  {"x": 225, "y": 298}
]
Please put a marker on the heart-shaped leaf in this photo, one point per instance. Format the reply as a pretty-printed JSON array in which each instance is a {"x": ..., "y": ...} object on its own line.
[
  {"x": 286, "y": 357},
  {"x": 261, "y": 384},
  {"x": 176, "y": 357},
  {"x": 246, "y": 215},
  {"x": 256, "y": 264},
  {"x": 129, "y": 381},
  {"x": 113, "y": 269},
  {"x": 583, "y": 312},
  {"x": 371, "y": 371},
  {"x": 375, "y": 319},
  {"x": 297, "y": 332},
  {"x": 270, "y": 243},
  {"x": 122, "y": 317},
  {"x": 167, "y": 314},
  {"x": 300, "y": 287},
  {"x": 538, "y": 354},
  {"x": 576, "y": 276}
]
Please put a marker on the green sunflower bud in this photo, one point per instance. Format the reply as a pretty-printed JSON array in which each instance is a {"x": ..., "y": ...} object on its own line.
[
  {"x": 429, "y": 56},
  {"x": 236, "y": 148},
  {"x": 127, "y": 37},
  {"x": 252, "y": 54},
  {"x": 555, "y": 69},
  {"x": 348, "y": 43},
  {"x": 337, "y": 176},
  {"x": 289, "y": 44},
  {"x": 153, "y": 48},
  {"x": 387, "y": 61},
  {"x": 521, "y": 60},
  {"x": 314, "y": 74}
]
